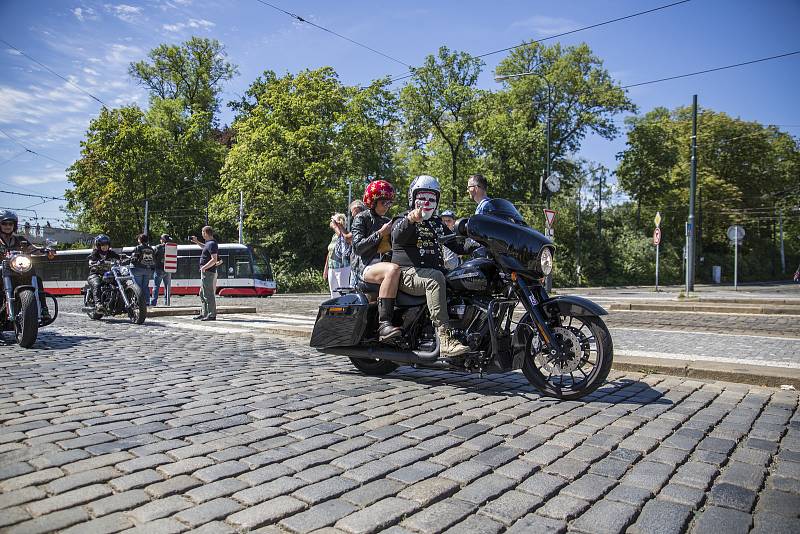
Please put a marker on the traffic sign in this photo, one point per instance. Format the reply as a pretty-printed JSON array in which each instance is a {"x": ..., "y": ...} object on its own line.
[
  {"x": 549, "y": 217},
  {"x": 171, "y": 257},
  {"x": 735, "y": 233},
  {"x": 657, "y": 236},
  {"x": 657, "y": 220}
]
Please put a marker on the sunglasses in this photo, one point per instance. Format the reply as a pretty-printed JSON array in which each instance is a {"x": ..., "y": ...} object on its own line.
[{"x": 6, "y": 223}]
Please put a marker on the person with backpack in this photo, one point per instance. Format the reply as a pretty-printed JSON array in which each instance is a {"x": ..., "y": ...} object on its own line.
[{"x": 142, "y": 265}]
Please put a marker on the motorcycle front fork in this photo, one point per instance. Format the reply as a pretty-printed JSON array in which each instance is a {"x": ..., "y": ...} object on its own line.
[
  {"x": 532, "y": 299},
  {"x": 8, "y": 288}
]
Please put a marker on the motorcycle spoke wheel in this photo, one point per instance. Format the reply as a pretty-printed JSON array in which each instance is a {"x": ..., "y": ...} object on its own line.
[{"x": 584, "y": 365}]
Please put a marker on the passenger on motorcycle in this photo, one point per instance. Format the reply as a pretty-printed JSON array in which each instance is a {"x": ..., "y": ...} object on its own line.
[
  {"x": 8, "y": 242},
  {"x": 101, "y": 253},
  {"x": 371, "y": 253},
  {"x": 417, "y": 250}
]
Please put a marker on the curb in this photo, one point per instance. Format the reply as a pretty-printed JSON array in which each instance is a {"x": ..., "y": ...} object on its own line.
[
  {"x": 194, "y": 310},
  {"x": 759, "y": 375},
  {"x": 742, "y": 309}
]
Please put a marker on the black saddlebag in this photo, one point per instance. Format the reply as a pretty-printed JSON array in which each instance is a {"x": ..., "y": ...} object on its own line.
[{"x": 341, "y": 321}]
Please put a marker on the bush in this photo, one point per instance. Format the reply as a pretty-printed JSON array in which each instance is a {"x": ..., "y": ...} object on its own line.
[{"x": 305, "y": 281}]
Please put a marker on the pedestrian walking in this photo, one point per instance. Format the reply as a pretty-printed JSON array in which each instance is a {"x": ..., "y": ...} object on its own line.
[
  {"x": 142, "y": 264},
  {"x": 209, "y": 259},
  {"x": 337, "y": 265},
  {"x": 159, "y": 274}
]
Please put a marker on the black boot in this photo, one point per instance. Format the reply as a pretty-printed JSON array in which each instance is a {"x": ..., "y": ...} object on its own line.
[{"x": 386, "y": 330}]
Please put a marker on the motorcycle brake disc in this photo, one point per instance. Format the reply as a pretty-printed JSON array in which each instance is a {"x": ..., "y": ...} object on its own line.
[{"x": 571, "y": 343}]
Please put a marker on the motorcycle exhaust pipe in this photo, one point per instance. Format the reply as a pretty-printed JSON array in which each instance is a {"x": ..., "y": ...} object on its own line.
[{"x": 387, "y": 353}]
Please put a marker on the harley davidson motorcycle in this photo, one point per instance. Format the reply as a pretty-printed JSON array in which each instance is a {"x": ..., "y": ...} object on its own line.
[
  {"x": 119, "y": 294},
  {"x": 19, "y": 304},
  {"x": 560, "y": 343}
]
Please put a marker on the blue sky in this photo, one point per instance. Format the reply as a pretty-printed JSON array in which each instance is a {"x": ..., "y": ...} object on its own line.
[{"x": 91, "y": 43}]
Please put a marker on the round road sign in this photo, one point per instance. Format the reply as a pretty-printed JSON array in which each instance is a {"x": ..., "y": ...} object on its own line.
[
  {"x": 735, "y": 233},
  {"x": 657, "y": 236}
]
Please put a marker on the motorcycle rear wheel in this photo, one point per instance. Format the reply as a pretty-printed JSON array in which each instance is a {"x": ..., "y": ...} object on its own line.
[
  {"x": 137, "y": 312},
  {"x": 27, "y": 321},
  {"x": 374, "y": 367},
  {"x": 596, "y": 357}
]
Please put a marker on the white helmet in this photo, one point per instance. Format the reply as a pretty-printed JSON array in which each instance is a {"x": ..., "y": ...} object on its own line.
[{"x": 423, "y": 183}]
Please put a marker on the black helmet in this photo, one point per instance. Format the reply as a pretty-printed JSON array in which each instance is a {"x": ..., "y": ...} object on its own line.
[
  {"x": 8, "y": 215},
  {"x": 166, "y": 237},
  {"x": 100, "y": 240}
]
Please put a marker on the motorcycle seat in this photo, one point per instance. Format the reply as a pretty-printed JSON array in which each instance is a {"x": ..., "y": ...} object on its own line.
[{"x": 403, "y": 299}]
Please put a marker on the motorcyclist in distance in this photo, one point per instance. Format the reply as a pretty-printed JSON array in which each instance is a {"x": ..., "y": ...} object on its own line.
[
  {"x": 101, "y": 253},
  {"x": 9, "y": 241}
]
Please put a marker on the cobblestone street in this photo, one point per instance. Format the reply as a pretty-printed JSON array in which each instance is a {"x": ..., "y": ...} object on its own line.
[{"x": 107, "y": 426}]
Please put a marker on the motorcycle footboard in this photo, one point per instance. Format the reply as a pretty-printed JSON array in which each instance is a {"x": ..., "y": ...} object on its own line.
[
  {"x": 341, "y": 321},
  {"x": 386, "y": 353}
]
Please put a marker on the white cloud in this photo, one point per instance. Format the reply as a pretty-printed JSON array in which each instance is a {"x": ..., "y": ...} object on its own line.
[
  {"x": 45, "y": 177},
  {"x": 546, "y": 25},
  {"x": 13, "y": 52},
  {"x": 122, "y": 54},
  {"x": 191, "y": 23},
  {"x": 124, "y": 12},
  {"x": 84, "y": 13}
]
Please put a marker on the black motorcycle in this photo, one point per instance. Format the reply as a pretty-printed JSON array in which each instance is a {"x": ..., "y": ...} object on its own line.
[
  {"x": 560, "y": 343},
  {"x": 119, "y": 294},
  {"x": 19, "y": 304}
]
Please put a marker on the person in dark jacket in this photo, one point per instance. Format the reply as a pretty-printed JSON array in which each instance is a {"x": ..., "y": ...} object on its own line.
[
  {"x": 371, "y": 248},
  {"x": 417, "y": 250},
  {"x": 159, "y": 274},
  {"x": 142, "y": 264},
  {"x": 101, "y": 253},
  {"x": 9, "y": 222}
]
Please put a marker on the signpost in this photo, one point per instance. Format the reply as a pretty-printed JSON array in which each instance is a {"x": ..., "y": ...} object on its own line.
[
  {"x": 657, "y": 241},
  {"x": 736, "y": 235},
  {"x": 170, "y": 266}
]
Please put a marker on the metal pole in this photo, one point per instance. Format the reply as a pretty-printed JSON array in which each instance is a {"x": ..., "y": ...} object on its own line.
[
  {"x": 686, "y": 258},
  {"x": 146, "y": 210},
  {"x": 736, "y": 260},
  {"x": 241, "y": 217},
  {"x": 549, "y": 280},
  {"x": 692, "y": 188},
  {"x": 657, "y": 250},
  {"x": 349, "y": 200},
  {"x": 780, "y": 227},
  {"x": 578, "y": 231}
]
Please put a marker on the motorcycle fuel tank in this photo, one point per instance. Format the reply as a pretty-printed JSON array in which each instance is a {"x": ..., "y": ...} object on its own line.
[{"x": 477, "y": 276}]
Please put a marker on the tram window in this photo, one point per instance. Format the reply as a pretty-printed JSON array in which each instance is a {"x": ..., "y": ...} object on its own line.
[{"x": 243, "y": 268}]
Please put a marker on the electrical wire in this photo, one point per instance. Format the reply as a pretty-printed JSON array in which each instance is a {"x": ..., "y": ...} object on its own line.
[
  {"x": 339, "y": 35},
  {"x": 51, "y": 71},
  {"x": 711, "y": 70},
  {"x": 31, "y": 151},
  {"x": 32, "y": 196}
]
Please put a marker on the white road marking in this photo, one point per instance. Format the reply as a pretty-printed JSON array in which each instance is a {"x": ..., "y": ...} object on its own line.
[
  {"x": 695, "y": 357},
  {"x": 699, "y": 333}
]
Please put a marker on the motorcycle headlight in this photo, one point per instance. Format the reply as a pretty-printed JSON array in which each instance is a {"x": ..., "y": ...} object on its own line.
[
  {"x": 21, "y": 264},
  {"x": 107, "y": 277},
  {"x": 546, "y": 260},
  {"x": 125, "y": 271}
]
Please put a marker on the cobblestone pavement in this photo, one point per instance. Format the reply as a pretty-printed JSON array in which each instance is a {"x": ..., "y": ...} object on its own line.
[{"x": 107, "y": 426}]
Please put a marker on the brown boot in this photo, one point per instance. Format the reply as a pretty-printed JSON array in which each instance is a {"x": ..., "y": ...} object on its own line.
[{"x": 449, "y": 347}]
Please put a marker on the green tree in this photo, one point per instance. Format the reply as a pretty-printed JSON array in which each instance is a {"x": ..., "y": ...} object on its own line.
[
  {"x": 568, "y": 85},
  {"x": 192, "y": 72},
  {"x": 442, "y": 101}
]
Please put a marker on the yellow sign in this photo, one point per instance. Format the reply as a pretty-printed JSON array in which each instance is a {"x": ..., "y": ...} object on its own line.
[{"x": 658, "y": 219}]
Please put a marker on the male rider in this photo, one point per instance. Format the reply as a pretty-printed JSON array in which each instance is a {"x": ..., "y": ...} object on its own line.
[
  {"x": 417, "y": 250},
  {"x": 477, "y": 187},
  {"x": 101, "y": 253},
  {"x": 8, "y": 242}
]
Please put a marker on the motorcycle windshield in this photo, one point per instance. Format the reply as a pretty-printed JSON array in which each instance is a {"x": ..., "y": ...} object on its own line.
[{"x": 503, "y": 209}]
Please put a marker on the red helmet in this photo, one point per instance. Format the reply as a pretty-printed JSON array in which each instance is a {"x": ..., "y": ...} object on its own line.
[{"x": 378, "y": 190}]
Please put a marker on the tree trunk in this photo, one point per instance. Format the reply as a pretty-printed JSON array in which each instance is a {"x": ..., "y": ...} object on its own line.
[{"x": 453, "y": 186}]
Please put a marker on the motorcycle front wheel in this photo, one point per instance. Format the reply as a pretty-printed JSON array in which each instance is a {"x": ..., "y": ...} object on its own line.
[
  {"x": 584, "y": 365},
  {"x": 374, "y": 367},
  {"x": 137, "y": 312},
  {"x": 27, "y": 322}
]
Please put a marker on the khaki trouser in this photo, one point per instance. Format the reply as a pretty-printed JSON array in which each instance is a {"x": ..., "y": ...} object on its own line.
[
  {"x": 207, "y": 297},
  {"x": 420, "y": 281}
]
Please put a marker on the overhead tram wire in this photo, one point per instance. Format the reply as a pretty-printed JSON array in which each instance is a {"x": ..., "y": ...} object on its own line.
[
  {"x": 51, "y": 71},
  {"x": 712, "y": 70},
  {"x": 339, "y": 35},
  {"x": 584, "y": 28},
  {"x": 31, "y": 151},
  {"x": 31, "y": 195}
]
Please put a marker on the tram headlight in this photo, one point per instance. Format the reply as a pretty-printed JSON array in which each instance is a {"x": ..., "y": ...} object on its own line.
[
  {"x": 21, "y": 264},
  {"x": 546, "y": 261}
]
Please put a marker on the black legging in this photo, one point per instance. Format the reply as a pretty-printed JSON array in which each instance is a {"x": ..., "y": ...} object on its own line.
[{"x": 95, "y": 281}]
